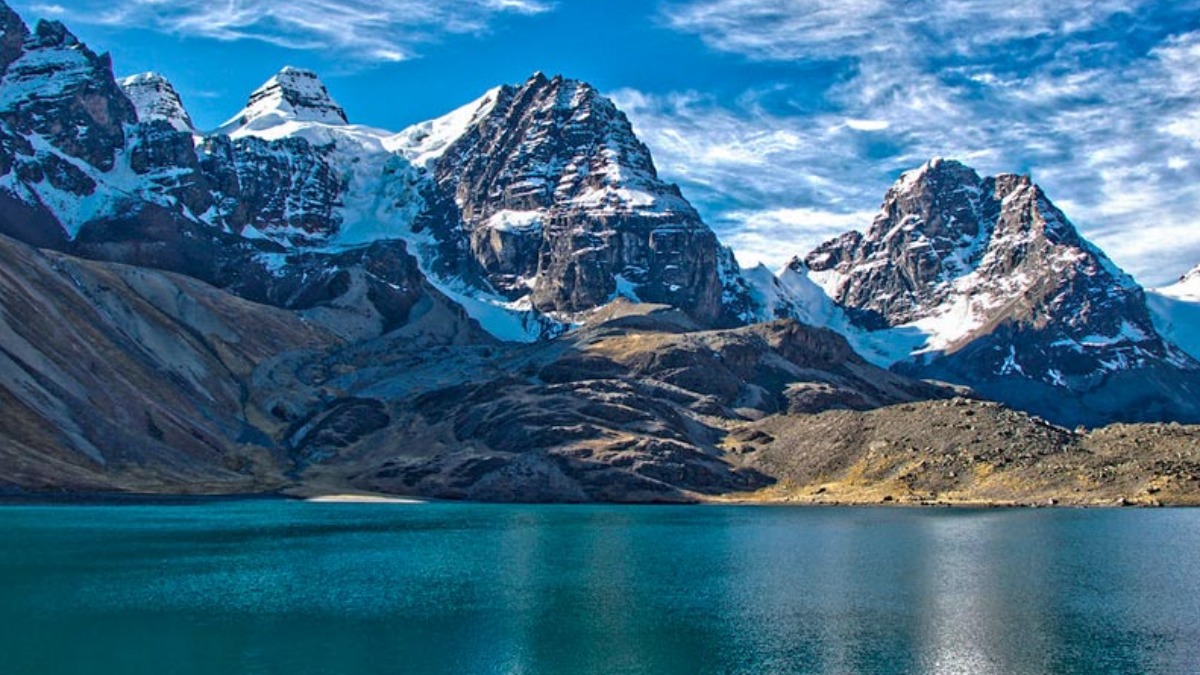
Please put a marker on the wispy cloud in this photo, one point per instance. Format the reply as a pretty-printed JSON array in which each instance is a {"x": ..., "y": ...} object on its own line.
[
  {"x": 360, "y": 30},
  {"x": 1097, "y": 98},
  {"x": 770, "y": 185}
]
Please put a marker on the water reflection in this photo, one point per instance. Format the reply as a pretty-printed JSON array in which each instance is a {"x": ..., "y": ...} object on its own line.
[{"x": 271, "y": 587}]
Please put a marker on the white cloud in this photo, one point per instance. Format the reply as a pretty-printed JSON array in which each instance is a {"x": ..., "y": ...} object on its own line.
[
  {"x": 361, "y": 30},
  {"x": 756, "y": 239},
  {"x": 868, "y": 125},
  {"x": 49, "y": 10},
  {"x": 771, "y": 186},
  {"x": 1108, "y": 128}
]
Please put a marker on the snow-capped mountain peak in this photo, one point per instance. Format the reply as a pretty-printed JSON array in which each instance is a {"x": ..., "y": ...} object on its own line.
[
  {"x": 155, "y": 99},
  {"x": 1187, "y": 288},
  {"x": 983, "y": 281},
  {"x": 291, "y": 95}
]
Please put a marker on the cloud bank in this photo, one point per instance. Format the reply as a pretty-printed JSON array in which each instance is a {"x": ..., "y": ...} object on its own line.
[{"x": 1098, "y": 99}]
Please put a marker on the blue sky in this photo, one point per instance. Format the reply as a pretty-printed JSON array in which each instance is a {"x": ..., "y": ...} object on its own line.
[{"x": 783, "y": 120}]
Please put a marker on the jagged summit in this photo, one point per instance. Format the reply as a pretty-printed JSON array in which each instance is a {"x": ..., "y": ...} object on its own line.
[
  {"x": 983, "y": 281},
  {"x": 155, "y": 99},
  {"x": 291, "y": 95},
  {"x": 52, "y": 85},
  {"x": 565, "y": 145},
  {"x": 562, "y": 205},
  {"x": 945, "y": 232}
]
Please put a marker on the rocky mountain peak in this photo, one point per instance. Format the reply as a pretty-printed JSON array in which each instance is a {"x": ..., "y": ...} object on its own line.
[
  {"x": 566, "y": 146},
  {"x": 57, "y": 88},
  {"x": 291, "y": 95},
  {"x": 988, "y": 283},
  {"x": 562, "y": 204},
  {"x": 941, "y": 228},
  {"x": 155, "y": 99}
]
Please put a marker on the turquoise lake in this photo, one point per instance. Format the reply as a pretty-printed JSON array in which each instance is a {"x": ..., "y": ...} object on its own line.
[{"x": 293, "y": 587}]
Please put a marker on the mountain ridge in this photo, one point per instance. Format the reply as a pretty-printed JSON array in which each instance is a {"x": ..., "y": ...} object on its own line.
[{"x": 506, "y": 302}]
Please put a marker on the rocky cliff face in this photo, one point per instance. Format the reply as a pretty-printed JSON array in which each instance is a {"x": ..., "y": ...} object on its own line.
[
  {"x": 562, "y": 203},
  {"x": 1008, "y": 298}
]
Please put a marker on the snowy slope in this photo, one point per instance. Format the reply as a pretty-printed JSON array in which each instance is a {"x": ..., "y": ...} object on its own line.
[
  {"x": 796, "y": 294},
  {"x": 1176, "y": 311},
  {"x": 425, "y": 142}
]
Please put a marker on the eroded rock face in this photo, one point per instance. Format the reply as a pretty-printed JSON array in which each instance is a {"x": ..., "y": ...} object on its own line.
[
  {"x": 121, "y": 378},
  {"x": 286, "y": 188}
]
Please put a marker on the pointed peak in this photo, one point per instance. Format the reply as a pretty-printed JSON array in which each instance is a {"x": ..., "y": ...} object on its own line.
[
  {"x": 155, "y": 99},
  {"x": 1192, "y": 274},
  {"x": 290, "y": 95},
  {"x": 54, "y": 34},
  {"x": 558, "y": 92},
  {"x": 936, "y": 175}
]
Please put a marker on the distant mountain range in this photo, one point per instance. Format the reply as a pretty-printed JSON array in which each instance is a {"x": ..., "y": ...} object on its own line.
[{"x": 506, "y": 302}]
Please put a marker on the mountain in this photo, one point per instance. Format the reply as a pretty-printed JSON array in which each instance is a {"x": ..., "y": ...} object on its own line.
[
  {"x": 321, "y": 279},
  {"x": 982, "y": 281},
  {"x": 123, "y": 378},
  {"x": 1176, "y": 311},
  {"x": 291, "y": 95},
  {"x": 529, "y": 207},
  {"x": 562, "y": 204},
  {"x": 503, "y": 303}
]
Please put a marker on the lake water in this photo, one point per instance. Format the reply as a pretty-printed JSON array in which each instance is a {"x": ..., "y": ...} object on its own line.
[{"x": 290, "y": 587}]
